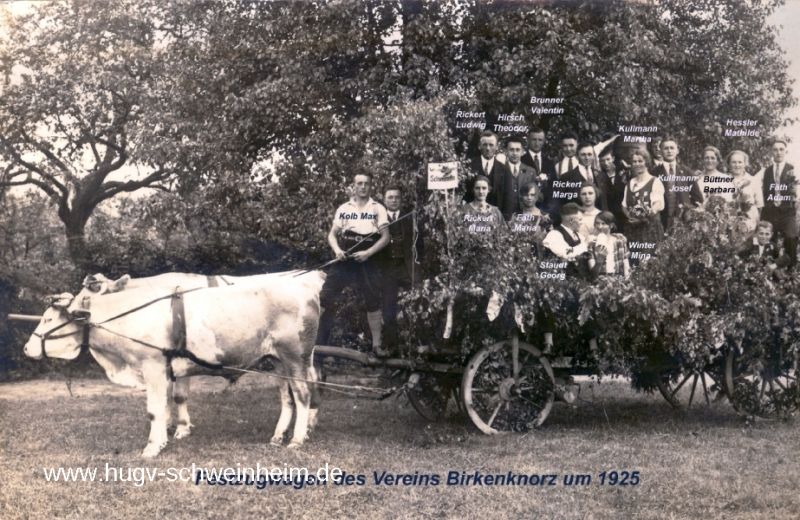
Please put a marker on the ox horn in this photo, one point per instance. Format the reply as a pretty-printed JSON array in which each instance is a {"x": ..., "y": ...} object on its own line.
[{"x": 60, "y": 301}]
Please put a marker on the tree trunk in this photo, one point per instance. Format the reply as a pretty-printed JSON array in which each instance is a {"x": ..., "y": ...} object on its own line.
[{"x": 78, "y": 250}]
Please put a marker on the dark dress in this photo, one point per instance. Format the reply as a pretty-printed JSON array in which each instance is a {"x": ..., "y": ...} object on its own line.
[
  {"x": 648, "y": 229},
  {"x": 532, "y": 228}
]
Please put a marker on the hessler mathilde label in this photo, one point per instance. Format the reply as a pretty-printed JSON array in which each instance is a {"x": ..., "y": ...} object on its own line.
[
  {"x": 736, "y": 131},
  {"x": 540, "y": 110},
  {"x": 470, "y": 115},
  {"x": 633, "y": 129}
]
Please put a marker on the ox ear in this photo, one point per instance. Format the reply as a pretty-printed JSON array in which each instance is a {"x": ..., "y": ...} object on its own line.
[
  {"x": 96, "y": 283},
  {"x": 119, "y": 285}
]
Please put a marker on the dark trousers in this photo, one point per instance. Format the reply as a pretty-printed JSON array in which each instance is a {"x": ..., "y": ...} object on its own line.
[
  {"x": 349, "y": 273},
  {"x": 394, "y": 273}
]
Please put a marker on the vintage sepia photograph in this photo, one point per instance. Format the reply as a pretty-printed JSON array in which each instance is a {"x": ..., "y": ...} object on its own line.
[{"x": 399, "y": 259}]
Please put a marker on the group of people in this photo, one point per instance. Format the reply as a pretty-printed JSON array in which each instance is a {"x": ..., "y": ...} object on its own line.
[
  {"x": 592, "y": 213},
  {"x": 577, "y": 202}
]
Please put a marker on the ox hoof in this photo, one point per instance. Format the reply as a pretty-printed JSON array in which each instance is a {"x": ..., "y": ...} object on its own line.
[
  {"x": 152, "y": 451},
  {"x": 276, "y": 441},
  {"x": 294, "y": 445},
  {"x": 182, "y": 431}
]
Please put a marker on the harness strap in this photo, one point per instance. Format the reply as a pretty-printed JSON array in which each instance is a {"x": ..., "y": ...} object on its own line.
[
  {"x": 140, "y": 307},
  {"x": 178, "y": 323},
  {"x": 212, "y": 280}
]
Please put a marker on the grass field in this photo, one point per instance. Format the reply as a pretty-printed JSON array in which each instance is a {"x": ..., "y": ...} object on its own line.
[{"x": 705, "y": 464}]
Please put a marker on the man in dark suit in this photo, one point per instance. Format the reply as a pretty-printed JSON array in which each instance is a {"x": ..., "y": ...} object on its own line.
[
  {"x": 570, "y": 182},
  {"x": 568, "y": 161},
  {"x": 487, "y": 165},
  {"x": 681, "y": 189},
  {"x": 612, "y": 183},
  {"x": 506, "y": 187},
  {"x": 544, "y": 167},
  {"x": 780, "y": 200},
  {"x": 400, "y": 262}
]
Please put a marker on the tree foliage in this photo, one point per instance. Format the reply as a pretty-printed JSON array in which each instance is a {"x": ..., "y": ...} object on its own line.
[{"x": 255, "y": 116}]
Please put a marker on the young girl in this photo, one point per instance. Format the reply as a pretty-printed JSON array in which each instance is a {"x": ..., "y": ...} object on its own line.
[{"x": 614, "y": 245}]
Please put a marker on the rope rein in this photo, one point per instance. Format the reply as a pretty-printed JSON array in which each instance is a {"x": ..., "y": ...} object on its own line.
[{"x": 384, "y": 393}]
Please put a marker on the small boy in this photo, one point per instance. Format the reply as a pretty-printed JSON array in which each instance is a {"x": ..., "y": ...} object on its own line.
[{"x": 763, "y": 247}]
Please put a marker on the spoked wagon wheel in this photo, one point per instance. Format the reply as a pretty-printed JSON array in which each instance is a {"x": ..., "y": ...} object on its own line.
[
  {"x": 691, "y": 387},
  {"x": 497, "y": 401},
  {"x": 429, "y": 393},
  {"x": 763, "y": 386}
]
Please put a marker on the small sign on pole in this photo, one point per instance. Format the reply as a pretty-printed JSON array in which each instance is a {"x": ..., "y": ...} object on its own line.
[{"x": 443, "y": 176}]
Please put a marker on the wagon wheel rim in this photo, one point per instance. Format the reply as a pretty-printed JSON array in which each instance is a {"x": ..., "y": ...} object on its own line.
[
  {"x": 496, "y": 400},
  {"x": 702, "y": 386},
  {"x": 759, "y": 387}
]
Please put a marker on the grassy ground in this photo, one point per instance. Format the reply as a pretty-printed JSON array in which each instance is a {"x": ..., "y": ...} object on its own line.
[{"x": 706, "y": 464}]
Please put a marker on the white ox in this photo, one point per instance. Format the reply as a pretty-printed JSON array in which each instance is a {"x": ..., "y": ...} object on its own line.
[
  {"x": 97, "y": 284},
  {"x": 236, "y": 325}
]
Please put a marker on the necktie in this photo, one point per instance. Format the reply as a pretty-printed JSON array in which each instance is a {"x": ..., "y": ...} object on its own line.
[
  {"x": 672, "y": 170},
  {"x": 777, "y": 178},
  {"x": 569, "y": 166},
  {"x": 536, "y": 164},
  {"x": 514, "y": 170},
  {"x": 486, "y": 167},
  {"x": 392, "y": 216}
]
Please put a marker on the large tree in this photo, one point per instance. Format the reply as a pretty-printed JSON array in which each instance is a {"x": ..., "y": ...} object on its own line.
[{"x": 77, "y": 78}]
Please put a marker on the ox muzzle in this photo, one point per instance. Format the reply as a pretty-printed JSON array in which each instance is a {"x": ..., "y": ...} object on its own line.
[{"x": 80, "y": 317}]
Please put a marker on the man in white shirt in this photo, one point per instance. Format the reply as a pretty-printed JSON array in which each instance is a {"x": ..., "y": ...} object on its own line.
[
  {"x": 563, "y": 240},
  {"x": 583, "y": 172},
  {"x": 569, "y": 147},
  {"x": 566, "y": 252},
  {"x": 359, "y": 230}
]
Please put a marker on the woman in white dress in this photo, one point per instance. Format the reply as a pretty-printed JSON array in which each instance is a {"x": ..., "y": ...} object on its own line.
[{"x": 749, "y": 195}]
